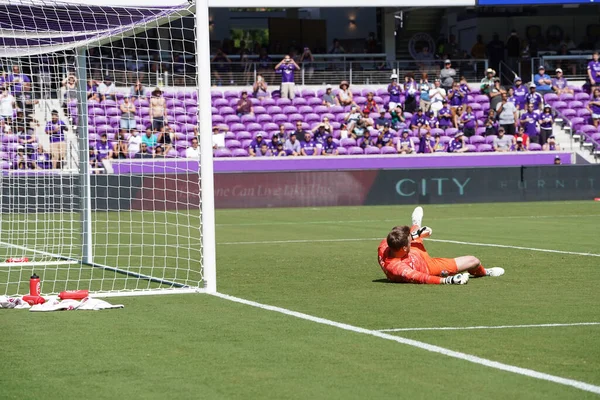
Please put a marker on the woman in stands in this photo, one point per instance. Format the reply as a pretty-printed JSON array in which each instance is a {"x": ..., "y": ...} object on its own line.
[
  {"x": 345, "y": 95},
  {"x": 456, "y": 117},
  {"x": 438, "y": 146},
  {"x": 70, "y": 92},
  {"x": 455, "y": 96},
  {"x": 120, "y": 146},
  {"x": 424, "y": 88},
  {"x": 469, "y": 122},
  {"x": 464, "y": 89},
  {"x": 166, "y": 137},
  {"x": 259, "y": 89},
  {"x": 546, "y": 120},
  {"x": 394, "y": 90},
  {"x": 137, "y": 90},
  {"x": 594, "y": 107},
  {"x": 397, "y": 116}
]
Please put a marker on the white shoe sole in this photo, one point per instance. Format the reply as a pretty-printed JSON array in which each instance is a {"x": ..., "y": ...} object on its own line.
[
  {"x": 417, "y": 216},
  {"x": 496, "y": 271}
]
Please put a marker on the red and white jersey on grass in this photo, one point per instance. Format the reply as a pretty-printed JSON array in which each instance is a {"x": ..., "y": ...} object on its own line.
[{"x": 411, "y": 268}]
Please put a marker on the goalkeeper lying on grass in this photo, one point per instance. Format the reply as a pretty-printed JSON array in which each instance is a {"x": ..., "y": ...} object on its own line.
[{"x": 403, "y": 258}]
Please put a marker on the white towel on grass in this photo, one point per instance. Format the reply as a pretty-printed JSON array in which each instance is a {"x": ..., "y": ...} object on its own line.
[
  {"x": 85, "y": 304},
  {"x": 13, "y": 302}
]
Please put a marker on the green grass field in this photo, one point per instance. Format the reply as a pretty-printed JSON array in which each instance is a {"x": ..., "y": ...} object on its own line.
[{"x": 322, "y": 262}]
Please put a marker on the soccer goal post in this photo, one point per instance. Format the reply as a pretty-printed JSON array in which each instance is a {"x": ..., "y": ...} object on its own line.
[{"x": 106, "y": 148}]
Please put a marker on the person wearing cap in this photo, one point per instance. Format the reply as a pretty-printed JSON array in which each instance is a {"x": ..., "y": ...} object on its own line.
[
  {"x": 557, "y": 160},
  {"x": 127, "y": 114},
  {"x": 560, "y": 84},
  {"x": 424, "y": 88},
  {"x": 103, "y": 148},
  {"x": 551, "y": 145},
  {"x": 292, "y": 145},
  {"x": 394, "y": 90},
  {"x": 457, "y": 144},
  {"x": 353, "y": 118},
  {"x": 594, "y": 107},
  {"x": 530, "y": 120},
  {"x": 277, "y": 149},
  {"x": 593, "y": 70},
  {"x": 445, "y": 116},
  {"x": 107, "y": 89},
  {"x": 542, "y": 81},
  {"x": 344, "y": 95},
  {"x": 330, "y": 148},
  {"x": 55, "y": 128},
  {"x": 487, "y": 83},
  {"x": 256, "y": 144},
  {"x": 381, "y": 120},
  {"x": 502, "y": 143},
  {"x": 286, "y": 69},
  {"x": 546, "y": 120},
  {"x": 447, "y": 75},
  {"x": 410, "y": 93},
  {"x": 365, "y": 140},
  {"x": 405, "y": 144},
  {"x": 431, "y": 121},
  {"x": 244, "y": 105},
  {"x": 519, "y": 145},
  {"x": 329, "y": 99},
  {"x": 158, "y": 110},
  {"x": 491, "y": 123},
  {"x": 521, "y": 135},
  {"x": 437, "y": 95},
  {"x": 533, "y": 97},
  {"x": 508, "y": 116},
  {"x": 520, "y": 94},
  {"x": 418, "y": 120},
  {"x": 319, "y": 133},
  {"x": 385, "y": 136}
]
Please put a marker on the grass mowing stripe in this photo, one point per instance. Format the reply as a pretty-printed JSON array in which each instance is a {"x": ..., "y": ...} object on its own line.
[
  {"x": 460, "y": 328},
  {"x": 421, "y": 345}
]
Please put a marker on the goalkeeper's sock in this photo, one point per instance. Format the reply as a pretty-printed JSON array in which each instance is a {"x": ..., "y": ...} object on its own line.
[{"x": 478, "y": 271}]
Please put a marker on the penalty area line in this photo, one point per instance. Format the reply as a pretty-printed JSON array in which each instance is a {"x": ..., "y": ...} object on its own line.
[
  {"x": 460, "y": 328},
  {"x": 421, "y": 345}
]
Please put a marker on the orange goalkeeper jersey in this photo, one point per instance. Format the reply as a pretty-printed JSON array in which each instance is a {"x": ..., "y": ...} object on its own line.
[{"x": 412, "y": 268}]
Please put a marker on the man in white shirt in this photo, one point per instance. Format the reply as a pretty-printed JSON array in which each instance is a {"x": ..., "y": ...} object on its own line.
[
  {"x": 107, "y": 89},
  {"x": 134, "y": 143},
  {"x": 437, "y": 95},
  {"x": 218, "y": 138},
  {"x": 7, "y": 105},
  {"x": 193, "y": 151}
]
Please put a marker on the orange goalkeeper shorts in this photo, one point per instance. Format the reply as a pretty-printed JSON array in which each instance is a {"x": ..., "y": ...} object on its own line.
[{"x": 436, "y": 266}]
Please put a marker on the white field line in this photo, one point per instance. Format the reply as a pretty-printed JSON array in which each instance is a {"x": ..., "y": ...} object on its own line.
[
  {"x": 429, "y": 239},
  {"x": 421, "y": 345},
  {"x": 460, "y": 328}
]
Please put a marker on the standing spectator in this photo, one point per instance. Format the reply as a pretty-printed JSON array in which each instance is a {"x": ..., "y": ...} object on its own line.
[
  {"x": 127, "y": 114},
  {"x": 427, "y": 144},
  {"x": 455, "y": 95},
  {"x": 137, "y": 90},
  {"x": 594, "y": 107},
  {"x": 394, "y": 90},
  {"x": 478, "y": 51},
  {"x": 370, "y": 105},
  {"x": 166, "y": 138},
  {"x": 445, "y": 116},
  {"x": 264, "y": 63},
  {"x": 221, "y": 67},
  {"x": 418, "y": 120},
  {"x": 520, "y": 95},
  {"x": 513, "y": 50},
  {"x": 397, "y": 115},
  {"x": 507, "y": 115},
  {"x": 530, "y": 121},
  {"x": 107, "y": 89},
  {"x": 330, "y": 148},
  {"x": 244, "y": 106},
  {"x": 149, "y": 139},
  {"x": 336, "y": 48},
  {"x": 437, "y": 95},
  {"x": 425, "y": 58},
  {"x": 457, "y": 144},
  {"x": 193, "y": 151},
  {"x": 286, "y": 68},
  {"x": 593, "y": 70},
  {"x": 560, "y": 84},
  {"x": 447, "y": 75},
  {"x": 424, "y": 88},
  {"x": 70, "y": 92},
  {"x": 405, "y": 144},
  {"x": 511, "y": 96},
  {"x": 260, "y": 88},
  {"x": 329, "y": 99},
  {"x": 469, "y": 122},
  {"x": 56, "y": 128},
  {"x": 487, "y": 83},
  {"x": 546, "y": 120},
  {"x": 542, "y": 81},
  {"x": 120, "y": 145},
  {"x": 103, "y": 149},
  {"x": 464, "y": 90},
  {"x": 292, "y": 146},
  {"x": 502, "y": 143},
  {"x": 7, "y": 106},
  {"x": 307, "y": 61},
  {"x": 410, "y": 93},
  {"x": 495, "y": 94},
  {"x": 345, "y": 95},
  {"x": 534, "y": 98},
  {"x": 495, "y": 50},
  {"x": 309, "y": 147},
  {"x": 551, "y": 145},
  {"x": 158, "y": 110},
  {"x": 18, "y": 81},
  {"x": 255, "y": 145},
  {"x": 133, "y": 143}
]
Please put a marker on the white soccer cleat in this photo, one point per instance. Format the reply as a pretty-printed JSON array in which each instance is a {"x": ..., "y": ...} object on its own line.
[
  {"x": 417, "y": 216},
  {"x": 496, "y": 271}
]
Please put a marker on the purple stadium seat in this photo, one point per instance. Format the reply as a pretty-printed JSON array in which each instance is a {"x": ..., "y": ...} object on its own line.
[
  {"x": 583, "y": 113},
  {"x": 114, "y": 121},
  {"x": 259, "y": 110},
  {"x": 308, "y": 118},
  {"x": 295, "y": 117},
  {"x": 360, "y": 100},
  {"x": 336, "y": 109},
  {"x": 280, "y": 118},
  {"x": 230, "y": 135},
  {"x": 320, "y": 109},
  {"x": 415, "y": 132},
  {"x": 228, "y": 94},
  {"x": 588, "y": 129},
  {"x": 342, "y": 151},
  {"x": 290, "y": 110},
  {"x": 490, "y": 139},
  {"x": 254, "y": 102},
  {"x": 567, "y": 97},
  {"x": 305, "y": 110},
  {"x": 217, "y": 119},
  {"x": 355, "y": 150},
  {"x": 348, "y": 142},
  {"x": 233, "y": 144},
  {"x": 472, "y": 148},
  {"x": 582, "y": 96},
  {"x": 568, "y": 113},
  {"x": 575, "y": 104},
  {"x": 372, "y": 150},
  {"x": 274, "y": 110},
  {"x": 550, "y": 97},
  {"x": 263, "y": 118},
  {"x": 243, "y": 135},
  {"x": 237, "y": 126},
  {"x": 267, "y": 102},
  {"x": 284, "y": 102},
  {"x": 222, "y": 153},
  {"x": 314, "y": 101},
  {"x": 96, "y": 111},
  {"x": 475, "y": 106},
  {"x": 248, "y": 118},
  {"x": 451, "y": 131},
  {"x": 436, "y": 131},
  {"x": 246, "y": 143},
  {"x": 230, "y": 119},
  {"x": 388, "y": 150},
  {"x": 445, "y": 139},
  {"x": 215, "y": 94},
  {"x": 226, "y": 111},
  {"x": 214, "y": 110},
  {"x": 485, "y": 148},
  {"x": 535, "y": 147},
  {"x": 476, "y": 139},
  {"x": 481, "y": 99},
  {"x": 97, "y": 120},
  {"x": 174, "y": 103},
  {"x": 559, "y": 105},
  {"x": 239, "y": 153},
  {"x": 480, "y": 131},
  {"x": 596, "y": 136},
  {"x": 233, "y": 103},
  {"x": 253, "y": 126},
  {"x": 299, "y": 101},
  {"x": 308, "y": 93},
  {"x": 270, "y": 126}
]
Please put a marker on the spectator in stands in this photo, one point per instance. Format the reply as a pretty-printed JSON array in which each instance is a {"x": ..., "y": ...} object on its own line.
[
  {"x": 336, "y": 48},
  {"x": 410, "y": 93},
  {"x": 487, "y": 83},
  {"x": 557, "y": 160},
  {"x": 307, "y": 61},
  {"x": 424, "y": 88},
  {"x": 25, "y": 138},
  {"x": 457, "y": 144},
  {"x": 7, "y": 106},
  {"x": 221, "y": 67},
  {"x": 255, "y": 145},
  {"x": 21, "y": 161},
  {"x": 330, "y": 148},
  {"x": 397, "y": 115},
  {"x": 520, "y": 94},
  {"x": 145, "y": 153},
  {"x": 521, "y": 135},
  {"x": 127, "y": 114},
  {"x": 405, "y": 144},
  {"x": 542, "y": 81},
  {"x": 478, "y": 51},
  {"x": 455, "y": 96},
  {"x": 513, "y": 50},
  {"x": 166, "y": 138},
  {"x": 510, "y": 94},
  {"x": 344, "y": 95},
  {"x": 438, "y": 147},
  {"x": 381, "y": 120},
  {"x": 594, "y": 107},
  {"x": 546, "y": 120},
  {"x": 560, "y": 84},
  {"x": 464, "y": 89},
  {"x": 530, "y": 121},
  {"x": 264, "y": 150},
  {"x": 308, "y": 147},
  {"x": 431, "y": 121},
  {"x": 456, "y": 120},
  {"x": 93, "y": 159},
  {"x": 495, "y": 51},
  {"x": 137, "y": 90},
  {"x": 534, "y": 98},
  {"x": 425, "y": 58},
  {"x": 40, "y": 159},
  {"x": 359, "y": 129},
  {"x": 394, "y": 90},
  {"x": 120, "y": 145},
  {"x": 150, "y": 139},
  {"x": 519, "y": 145},
  {"x": 495, "y": 94},
  {"x": 445, "y": 116},
  {"x": 107, "y": 89},
  {"x": 447, "y": 75},
  {"x": 218, "y": 138},
  {"x": 469, "y": 122},
  {"x": 281, "y": 133},
  {"x": 92, "y": 90},
  {"x": 593, "y": 70},
  {"x": 325, "y": 128},
  {"x": 133, "y": 143},
  {"x": 507, "y": 115},
  {"x": 292, "y": 146},
  {"x": 17, "y": 81},
  {"x": 158, "y": 110},
  {"x": 491, "y": 125},
  {"x": 286, "y": 68},
  {"x": 193, "y": 151},
  {"x": 352, "y": 118},
  {"x": 260, "y": 87},
  {"x": 103, "y": 149},
  {"x": 437, "y": 95},
  {"x": 385, "y": 137},
  {"x": 56, "y": 128},
  {"x": 370, "y": 105},
  {"x": 244, "y": 105},
  {"x": 418, "y": 120},
  {"x": 427, "y": 144},
  {"x": 329, "y": 99},
  {"x": 159, "y": 152},
  {"x": 551, "y": 145},
  {"x": 278, "y": 150},
  {"x": 69, "y": 85},
  {"x": 502, "y": 143},
  {"x": 300, "y": 131}
]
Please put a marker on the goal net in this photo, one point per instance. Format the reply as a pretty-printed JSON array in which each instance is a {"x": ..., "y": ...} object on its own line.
[{"x": 100, "y": 151}]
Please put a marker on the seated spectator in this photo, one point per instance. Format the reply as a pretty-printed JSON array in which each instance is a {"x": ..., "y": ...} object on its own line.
[
  {"x": 329, "y": 99},
  {"x": 456, "y": 95},
  {"x": 445, "y": 116},
  {"x": 438, "y": 146},
  {"x": 244, "y": 105},
  {"x": 456, "y": 114},
  {"x": 397, "y": 115},
  {"x": 593, "y": 71},
  {"x": 120, "y": 146},
  {"x": 508, "y": 116},
  {"x": 521, "y": 135},
  {"x": 159, "y": 152},
  {"x": 352, "y": 118},
  {"x": 371, "y": 105},
  {"x": 365, "y": 140},
  {"x": 320, "y": 133},
  {"x": 107, "y": 89},
  {"x": 260, "y": 87},
  {"x": 308, "y": 147},
  {"x": 502, "y": 143},
  {"x": 560, "y": 84},
  {"x": 410, "y": 93},
  {"x": 137, "y": 90},
  {"x": 327, "y": 125},
  {"x": 469, "y": 122},
  {"x": 534, "y": 98},
  {"x": 394, "y": 90},
  {"x": 519, "y": 145},
  {"x": 432, "y": 121},
  {"x": 520, "y": 95},
  {"x": 149, "y": 139},
  {"x": 103, "y": 149},
  {"x": 133, "y": 143},
  {"x": 92, "y": 90},
  {"x": 127, "y": 114},
  {"x": 381, "y": 120},
  {"x": 292, "y": 146},
  {"x": 7, "y": 105},
  {"x": 344, "y": 95},
  {"x": 300, "y": 132},
  {"x": 146, "y": 153},
  {"x": 551, "y": 145},
  {"x": 93, "y": 158},
  {"x": 218, "y": 138},
  {"x": 487, "y": 83},
  {"x": 405, "y": 144},
  {"x": 255, "y": 145},
  {"x": 360, "y": 128},
  {"x": 594, "y": 107},
  {"x": 542, "y": 81},
  {"x": 21, "y": 161},
  {"x": 457, "y": 144},
  {"x": 530, "y": 121},
  {"x": 418, "y": 120},
  {"x": 278, "y": 150},
  {"x": 385, "y": 137},
  {"x": 426, "y": 144},
  {"x": 26, "y": 138},
  {"x": 545, "y": 120},
  {"x": 437, "y": 95},
  {"x": 491, "y": 126},
  {"x": 330, "y": 148},
  {"x": 264, "y": 150},
  {"x": 56, "y": 128}
]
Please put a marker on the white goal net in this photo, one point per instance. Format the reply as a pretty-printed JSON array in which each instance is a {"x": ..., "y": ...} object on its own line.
[{"x": 100, "y": 153}]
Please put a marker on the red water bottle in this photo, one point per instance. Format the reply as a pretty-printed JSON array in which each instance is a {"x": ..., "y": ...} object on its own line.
[{"x": 34, "y": 285}]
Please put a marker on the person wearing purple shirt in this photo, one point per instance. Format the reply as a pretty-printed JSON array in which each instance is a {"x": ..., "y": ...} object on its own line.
[
  {"x": 455, "y": 95},
  {"x": 427, "y": 144},
  {"x": 18, "y": 80},
  {"x": 594, "y": 107},
  {"x": 309, "y": 147},
  {"x": 330, "y": 148},
  {"x": 384, "y": 138},
  {"x": 510, "y": 97},
  {"x": 530, "y": 121},
  {"x": 55, "y": 128},
  {"x": 560, "y": 84},
  {"x": 103, "y": 149},
  {"x": 546, "y": 119},
  {"x": 93, "y": 158},
  {"x": 593, "y": 70},
  {"x": 286, "y": 68},
  {"x": 278, "y": 150},
  {"x": 534, "y": 97},
  {"x": 464, "y": 89},
  {"x": 365, "y": 141},
  {"x": 394, "y": 90},
  {"x": 457, "y": 145},
  {"x": 405, "y": 144},
  {"x": 445, "y": 116},
  {"x": 418, "y": 120},
  {"x": 520, "y": 94},
  {"x": 432, "y": 121},
  {"x": 264, "y": 150},
  {"x": 469, "y": 122},
  {"x": 551, "y": 145},
  {"x": 40, "y": 159},
  {"x": 255, "y": 145}
]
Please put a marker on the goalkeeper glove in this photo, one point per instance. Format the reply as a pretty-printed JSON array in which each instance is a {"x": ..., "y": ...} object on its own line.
[
  {"x": 458, "y": 279},
  {"x": 422, "y": 232}
]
